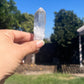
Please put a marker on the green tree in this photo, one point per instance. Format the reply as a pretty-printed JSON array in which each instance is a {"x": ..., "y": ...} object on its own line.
[
  {"x": 27, "y": 22},
  {"x": 11, "y": 18},
  {"x": 8, "y": 11},
  {"x": 47, "y": 40},
  {"x": 65, "y": 27}
]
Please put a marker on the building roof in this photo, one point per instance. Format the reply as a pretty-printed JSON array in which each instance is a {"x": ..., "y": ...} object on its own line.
[{"x": 81, "y": 30}]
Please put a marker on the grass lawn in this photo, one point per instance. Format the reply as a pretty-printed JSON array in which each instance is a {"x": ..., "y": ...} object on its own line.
[{"x": 56, "y": 78}]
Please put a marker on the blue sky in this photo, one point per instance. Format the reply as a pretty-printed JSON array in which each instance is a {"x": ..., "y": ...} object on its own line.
[{"x": 50, "y": 6}]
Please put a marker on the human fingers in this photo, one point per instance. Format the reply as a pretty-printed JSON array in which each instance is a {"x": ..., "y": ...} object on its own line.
[
  {"x": 17, "y": 36},
  {"x": 30, "y": 47},
  {"x": 20, "y": 37}
]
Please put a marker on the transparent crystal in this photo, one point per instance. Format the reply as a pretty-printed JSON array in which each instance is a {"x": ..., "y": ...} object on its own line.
[{"x": 39, "y": 24}]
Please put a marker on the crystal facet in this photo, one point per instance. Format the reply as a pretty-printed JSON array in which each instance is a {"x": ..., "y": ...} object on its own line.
[{"x": 39, "y": 24}]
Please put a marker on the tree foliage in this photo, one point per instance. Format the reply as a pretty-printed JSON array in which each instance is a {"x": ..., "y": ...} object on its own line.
[
  {"x": 8, "y": 12},
  {"x": 47, "y": 40},
  {"x": 27, "y": 22},
  {"x": 11, "y": 18},
  {"x": 65, "y": 27}
]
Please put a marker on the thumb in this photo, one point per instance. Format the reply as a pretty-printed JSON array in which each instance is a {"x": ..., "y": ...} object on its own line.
[{"x": 31, "y": 47}]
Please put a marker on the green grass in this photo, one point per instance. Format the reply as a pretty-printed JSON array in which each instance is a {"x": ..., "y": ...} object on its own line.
[{"x": 44, "y": 79}]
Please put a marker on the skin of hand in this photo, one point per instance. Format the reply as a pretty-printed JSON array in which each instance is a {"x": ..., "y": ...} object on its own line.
[{"x": 14, "y": 46}]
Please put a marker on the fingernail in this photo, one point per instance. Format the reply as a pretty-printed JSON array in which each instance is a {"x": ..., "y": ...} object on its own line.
[{"x": 40, "y": 43}]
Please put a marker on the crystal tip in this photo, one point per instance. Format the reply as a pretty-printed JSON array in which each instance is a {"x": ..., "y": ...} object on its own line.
[{"x": 41, "y": 9}]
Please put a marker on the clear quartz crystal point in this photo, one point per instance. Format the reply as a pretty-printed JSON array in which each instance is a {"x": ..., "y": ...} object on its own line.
[{"x": 39, "y": 24}]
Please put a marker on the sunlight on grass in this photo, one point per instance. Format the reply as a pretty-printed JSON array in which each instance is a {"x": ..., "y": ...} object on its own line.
[{"x": 56, "y": 78}]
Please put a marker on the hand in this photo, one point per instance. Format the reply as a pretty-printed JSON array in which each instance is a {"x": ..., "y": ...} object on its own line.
[{"x": 14, "y": 46}]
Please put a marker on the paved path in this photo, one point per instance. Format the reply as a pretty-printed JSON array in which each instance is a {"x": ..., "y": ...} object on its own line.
[
  {"x": 37, "y": 73},
  {"x": 78, "y": 75}
]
